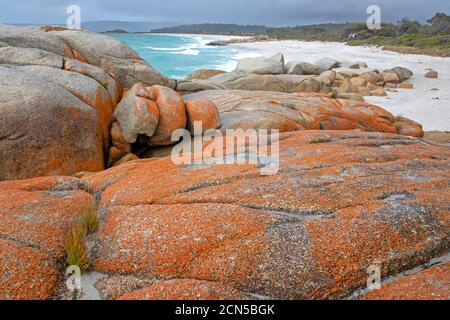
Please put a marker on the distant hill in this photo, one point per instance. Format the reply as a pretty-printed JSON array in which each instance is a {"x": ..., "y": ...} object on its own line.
[
  {"x": 215, "y": 28},
  {"x": 127, "y": 26}
]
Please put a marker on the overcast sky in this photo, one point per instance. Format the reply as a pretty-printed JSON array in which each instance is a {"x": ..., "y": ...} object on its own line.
[{"x": 268, "y": 12}]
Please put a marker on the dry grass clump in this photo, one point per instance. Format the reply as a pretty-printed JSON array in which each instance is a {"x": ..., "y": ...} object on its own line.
[{"x": 75, "y": 239}]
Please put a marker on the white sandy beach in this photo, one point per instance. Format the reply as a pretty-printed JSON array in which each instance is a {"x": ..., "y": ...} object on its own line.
[{"x": 430, "y": 108}]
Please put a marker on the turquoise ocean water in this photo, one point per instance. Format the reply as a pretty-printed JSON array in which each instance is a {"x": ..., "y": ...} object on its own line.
[{"x": 177, "y": 56}]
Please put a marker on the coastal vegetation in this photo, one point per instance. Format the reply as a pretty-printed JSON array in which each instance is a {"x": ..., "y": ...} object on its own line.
[{"x": 433, "y": 37}]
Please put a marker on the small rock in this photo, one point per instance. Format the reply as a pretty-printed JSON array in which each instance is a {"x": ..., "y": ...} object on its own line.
[
  {"x": 432, "y": 74},
  {"x": 406, "y": 85},
  {"x": 390, "y": 77},
  {"x": 378, "y": 92},
  {"x": 403, "y": 73},
  {"x": 391, "y": 85},
  {"x": 327, "y": 77},
  {"x": 348, "y": 87},
  {"x": 364, "y": 91},
  {"x": 373, "y": 77},
  {"x": 351, "y": 96},
  {"x": 359, "y": 81}
]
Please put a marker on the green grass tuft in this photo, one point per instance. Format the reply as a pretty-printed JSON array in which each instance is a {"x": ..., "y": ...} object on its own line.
[
  {"x": 75, "y": 247},
  {"x": 75, "y": 238}
]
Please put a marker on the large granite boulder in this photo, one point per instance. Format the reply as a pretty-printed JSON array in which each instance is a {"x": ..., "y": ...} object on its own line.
[
  {"x": 137, "y": 114},
  {"x": 113, "y": 56},
  {"x": 30, "y": 56},
  {"x": 242, "y": 81},
  {"x": 301, "y": 111},
  {"x": 302, "y": 68},
  {"x": 260, "y": 66},
  {"x": 45, "y": 129},
  {"x": 34, "y": 39},
  {"x": 59, "y": 90},
  {"x": 326, "y": 64}
]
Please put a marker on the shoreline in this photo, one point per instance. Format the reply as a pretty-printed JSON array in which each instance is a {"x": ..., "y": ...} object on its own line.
[{"x": 422, "y": 104}]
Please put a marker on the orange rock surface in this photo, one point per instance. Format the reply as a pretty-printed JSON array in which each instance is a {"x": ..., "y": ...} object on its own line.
[
  {"x": 172, "y": 114},
  {"x": 341, "y": 201},
  {"x": 188, "y": 289},
  {"x": 202, "y": 111},
  {"x": 428, "y": 284},
  {"x": 33, "y": 217},
  {"x": 300, "y": 111}
]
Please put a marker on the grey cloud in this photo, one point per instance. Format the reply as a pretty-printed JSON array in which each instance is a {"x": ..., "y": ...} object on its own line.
[{"x": 270, "y": 12}]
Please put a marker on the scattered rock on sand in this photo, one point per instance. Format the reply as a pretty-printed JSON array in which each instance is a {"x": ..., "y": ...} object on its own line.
[
  {"x": 406, "y": 85},
  {"x": 390, "y": 77},
  {"x": 403, "y": 73},
  {"x": 432, "y": 74}
]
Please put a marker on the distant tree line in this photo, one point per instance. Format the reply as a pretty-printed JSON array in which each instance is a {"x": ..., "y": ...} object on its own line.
[{"x": 215, "y": 28}]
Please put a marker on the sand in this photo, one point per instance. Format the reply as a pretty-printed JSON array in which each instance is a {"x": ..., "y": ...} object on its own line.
[{"x": 428, "y": 107}]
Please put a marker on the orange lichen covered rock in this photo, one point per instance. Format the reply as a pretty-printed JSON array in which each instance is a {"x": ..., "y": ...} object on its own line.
[
  {"x": 55, "y": 183},
  {"x": 26, "y": 273},
  {"x": 34, "y": 215},
  {"x": 408, "y": 127},
  {"x": 137, "y": 114},
  {"x": 300, "y": 111},
  {"x": 341, "y": 201},
  {"x": 202, "y": 111},
  {"x": 428, "y": 284},
  {"x": 185, "y": 289},
  {"x": 172, "y": 114}
]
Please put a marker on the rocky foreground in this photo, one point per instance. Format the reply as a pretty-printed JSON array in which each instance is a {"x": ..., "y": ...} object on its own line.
[{"x": 357, "y": 186}]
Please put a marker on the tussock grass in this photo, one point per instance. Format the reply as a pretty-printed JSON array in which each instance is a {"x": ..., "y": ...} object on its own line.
[
  {"x": 75, "y": 238},
  {"x": 89, "y": 219}
]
